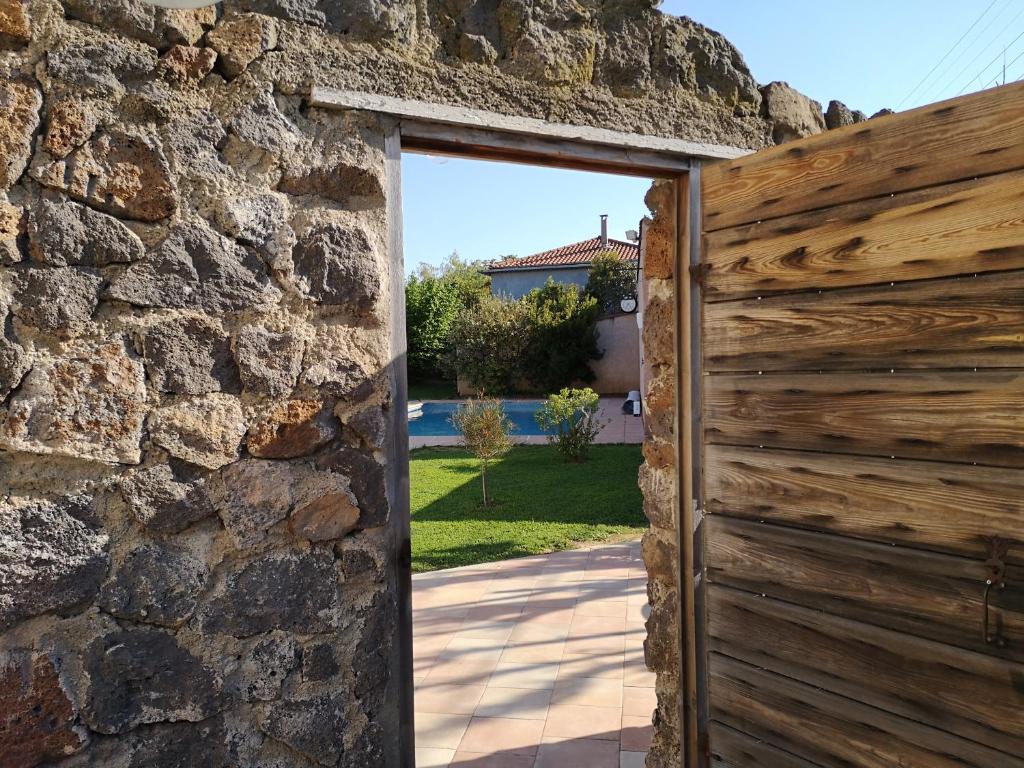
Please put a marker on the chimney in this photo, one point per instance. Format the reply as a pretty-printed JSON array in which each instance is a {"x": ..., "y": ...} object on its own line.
[{"x": 604, "y": 230}]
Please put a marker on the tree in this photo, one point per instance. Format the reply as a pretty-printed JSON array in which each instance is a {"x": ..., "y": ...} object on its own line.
[
  {"x": 563, "y": 337},
  {"x": 485, "y": 432},
  {"x": 609, "y": 280},
  {"x": 491, "y": 340},
  {"x": 571, "y": 418},
  {"x": 466, "y": 277},
  {"x": 432, "y": 307}
]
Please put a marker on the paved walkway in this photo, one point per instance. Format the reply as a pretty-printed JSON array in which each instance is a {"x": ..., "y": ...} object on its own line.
[{"x": 534, "y": 663}]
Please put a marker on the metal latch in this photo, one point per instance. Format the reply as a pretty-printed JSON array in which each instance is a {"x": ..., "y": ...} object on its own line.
[{"x": 995, "y": 578}]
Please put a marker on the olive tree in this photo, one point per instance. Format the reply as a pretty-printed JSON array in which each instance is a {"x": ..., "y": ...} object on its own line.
[{"x": 485, "y": 432}]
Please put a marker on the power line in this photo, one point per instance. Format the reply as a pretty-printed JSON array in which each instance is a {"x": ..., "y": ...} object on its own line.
[
  {"x": 947, "y": 53},
  {"x": 985, "y": 68},
  {"x": 942, "y": 80}
]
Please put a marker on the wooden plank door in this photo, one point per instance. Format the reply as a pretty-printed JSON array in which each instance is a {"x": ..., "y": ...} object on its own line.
[{"x": 862, "y": 403}]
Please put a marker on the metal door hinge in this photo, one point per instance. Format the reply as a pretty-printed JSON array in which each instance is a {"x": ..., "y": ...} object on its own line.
[
  {"x": 995, "y": 578},
  {"x": 699, "y": 273}
]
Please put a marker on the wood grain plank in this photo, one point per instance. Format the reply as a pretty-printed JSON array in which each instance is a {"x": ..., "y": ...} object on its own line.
[
  {"x": 964, "y": 322},
  {"x": 833, "y": 731},
  {"x": 966, "y": 137},
  {"x": 733, "y": 749},
  {"x": 945, "y": 507},
  {"x": 957, "y": 417},
  {"x": 932, "y": 596},
  {"x": 968, "y": 694},
  {"x": 973, "y": 226}
]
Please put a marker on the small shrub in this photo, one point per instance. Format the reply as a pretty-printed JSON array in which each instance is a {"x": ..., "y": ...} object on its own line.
[
  {"x": 485, "y": 432},
  {"x": 432, "y": 307},
  {"x": 571, "y": 415},
  {"x": 563, "y": 337}
]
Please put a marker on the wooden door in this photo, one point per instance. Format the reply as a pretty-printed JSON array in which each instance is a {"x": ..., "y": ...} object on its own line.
[{"x": 862, "y": 404}]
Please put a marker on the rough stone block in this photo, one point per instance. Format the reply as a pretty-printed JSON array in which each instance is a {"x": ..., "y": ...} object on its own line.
[
  {"x": 89, "y": 403},
  {"x": 124, "y": 175},
  {"x": 36, "y": 716},
  {"x": 52, "y": 560},
  {"x": 167, "y": 497},
  {"x": 58, "y": 300},
  {"x": 62, "y": 234},
  {"x": 367, "y": 478},
  {"x": 793, "y": 115},
  {"x": 293, "y": 428},
  {"x": 159, "y": 27},
  {"x": 101, "y": 64},
  {"x": 241, "y": 39},
  {"x": 189, "y": 356},
  {"x": 144, "y": 676},
  {"x": 262, "y": 126},
  {"x": 355, "y": 187},
  {"x": 69, "y": 124},
  {"x": 263, "y": 668},
  {"x": 204, "y": 430},
  {"x": 255, "y": 495},
  {"x": 195, "y": 268},
  {"x": 839, "y": 115},
  {"x": 15, "y": 23},
  {"x": 336, "y": 265},
  {"x": 253, "y": 220},
  {"x": 15, "y": 360},
  {"x": 157, "y": 583},
  {"x": 20, "y": 101},
  {"x": 658, "y": 487},
  {"x": 320, "y": 662},
  {"x": 659, "y": 331},
  {"x": 186, "y": 64},
  {"x": 12, "y": 229},
  {"x": 287, "y": 591},
  {"x": 315, "y": 727},
  {"x": 269, "y": 362}
]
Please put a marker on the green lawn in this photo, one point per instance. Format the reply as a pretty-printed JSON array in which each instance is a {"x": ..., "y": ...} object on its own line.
[{"x": 542, "y": 503}]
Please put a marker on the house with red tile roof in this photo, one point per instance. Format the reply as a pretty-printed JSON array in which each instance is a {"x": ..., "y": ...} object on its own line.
[
  {"x": 517, "y": 276},
  {"x": 618, "y": 370}
]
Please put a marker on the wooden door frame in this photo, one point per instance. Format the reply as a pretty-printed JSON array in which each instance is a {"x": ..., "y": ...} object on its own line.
[{"x": 474, "y": 134}]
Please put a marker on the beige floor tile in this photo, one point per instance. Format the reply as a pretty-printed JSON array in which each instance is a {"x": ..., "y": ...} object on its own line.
[
  {"x": 591, "y": 625},
  {"x": 490, "y": 735},
  {"x": 638, "y": 702},
  {"x": 614, "y": 608},
  {"x": 630, "y": 760},
  {"x": 517, "y": 703},
  {"x": 495, "y": 631},
  {"x": 636, "y": 733},
  {"x": 578, "y": 722},
  {"x": 530, "y": 653},
  {"x": 588, "y": 692},
  {"x": 428, "y": 757},
  {"x": 495, "y": 611},
  {"x": 483, "y": 760},
  {"x": 603, "y": 665},
  {"x": 448, "y": 699},
  {"x": 602, "y": 642},
  {"x": 440, "y": 731},
  {"x": 637, "y": 675},
  {"x": 561, "y": 616},
  {"x": 460, "y": 672},
  {"x": 577, "y": 753},
  {"x": 515, "y": 674},
  {"x": 472, "y": 649}
]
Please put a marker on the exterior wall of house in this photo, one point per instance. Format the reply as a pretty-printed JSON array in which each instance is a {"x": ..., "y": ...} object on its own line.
[
  {"x": 618, "y": 371},
  {"x": 517, "y": 284},
  {"x": 196, "y": 358}
]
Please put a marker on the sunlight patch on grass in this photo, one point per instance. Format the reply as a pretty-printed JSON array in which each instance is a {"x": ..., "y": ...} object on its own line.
[{"x": 542, "y": 503}]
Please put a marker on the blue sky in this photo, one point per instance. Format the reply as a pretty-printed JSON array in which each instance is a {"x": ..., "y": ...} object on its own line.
[{"x": 869, "y": 54}]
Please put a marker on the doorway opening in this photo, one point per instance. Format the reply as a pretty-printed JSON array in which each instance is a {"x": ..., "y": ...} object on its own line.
[{"x": 528, "y": 604}]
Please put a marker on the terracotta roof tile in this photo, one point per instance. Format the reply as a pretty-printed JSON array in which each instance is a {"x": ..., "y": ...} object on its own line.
[{"x": 580, "y": 253}]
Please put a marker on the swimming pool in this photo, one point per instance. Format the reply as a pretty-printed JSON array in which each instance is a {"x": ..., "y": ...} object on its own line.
[{"x": 435, "y": 419}]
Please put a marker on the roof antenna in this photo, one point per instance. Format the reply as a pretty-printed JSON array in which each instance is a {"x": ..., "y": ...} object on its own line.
[{"x": 604, "y": 230}]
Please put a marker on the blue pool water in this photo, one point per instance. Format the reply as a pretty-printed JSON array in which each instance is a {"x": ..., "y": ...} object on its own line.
[{"x": 436, "y": 418}]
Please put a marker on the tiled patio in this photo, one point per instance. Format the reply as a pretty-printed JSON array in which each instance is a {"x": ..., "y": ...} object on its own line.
[{"x": 534, "y": 663}]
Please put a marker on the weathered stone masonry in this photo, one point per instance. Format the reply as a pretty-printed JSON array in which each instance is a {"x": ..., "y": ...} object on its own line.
[{"x": 194, "y": 349}]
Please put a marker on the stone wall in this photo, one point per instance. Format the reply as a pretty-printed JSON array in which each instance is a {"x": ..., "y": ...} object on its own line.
[{"x": 195, "y": 352}]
